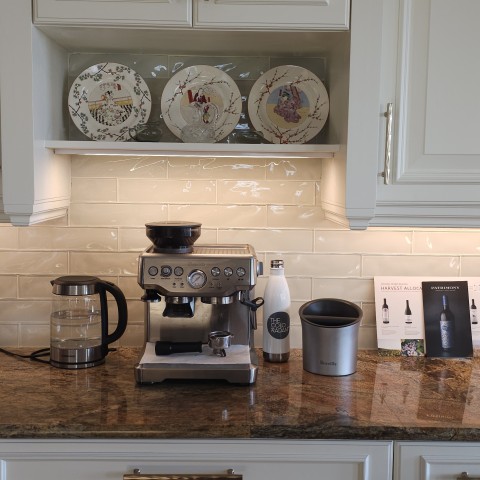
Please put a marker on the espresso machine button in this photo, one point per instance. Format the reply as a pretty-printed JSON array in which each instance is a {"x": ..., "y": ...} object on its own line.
[
  {"x": 178, "y": 271},
  {"x": 228, "y": 271},
  {"x": 166, "y": 271},
  {"x": 152, "y": 271},
  {"x": 215, "y": 271},
  {"x": 241, "y": 272}
]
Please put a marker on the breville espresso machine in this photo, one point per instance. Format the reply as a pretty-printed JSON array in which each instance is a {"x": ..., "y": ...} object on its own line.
[{"x": 199, "y": 310}]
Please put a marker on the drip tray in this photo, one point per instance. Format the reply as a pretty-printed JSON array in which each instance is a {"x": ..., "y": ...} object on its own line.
[
  {"x": 236, "y": 355},
  {"x": 239, "y": 366}
]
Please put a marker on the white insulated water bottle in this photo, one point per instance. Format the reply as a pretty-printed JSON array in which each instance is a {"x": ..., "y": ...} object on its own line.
[{"x": 276, "y": 315}]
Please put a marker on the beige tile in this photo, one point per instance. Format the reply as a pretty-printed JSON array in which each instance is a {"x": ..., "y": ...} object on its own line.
[
  {"x": 33, "y": 287},
  {"x": 166, "y": 191},
  {"x": 470, "y": 266},
  {"x": 133, "y": 336},
  {"x": 301, "y": 216},
  {"x": 368, "y": 319},
  {"x": 216, "y": 216},
  {"x": 129, "y": 215},
  {"x": 351, "y": 289},
  {"x": 132, "y": 290},
  {"x": 8, "y": 237},
  {"x": 266, "y": 192},
  {"x": 318, "y": 265},
  {"x": 268, "y": 240},
  {"x": 25, "y": 311},
  {"x": 132, "y": 239},
  {"x": 294, "y": 169},
  {"x": 363, "y": 242},
  {"x": 101, "y": 264},
  {"x": 9, "y": 335},
  {"x": 86, "y": 190},
  {"x": 214, "y": 168},
  {"x": 33, "y": 262},
  {"x": 62, "y": 238},
  {"x": 411, "y": 265},
  {"x": 34, "y": 335},
  {"x": 367, "y": 338},
  {"x": 460, "y": 242},
  {"x": 119, "y": 167},
  {"x": 8, "y": 286}
]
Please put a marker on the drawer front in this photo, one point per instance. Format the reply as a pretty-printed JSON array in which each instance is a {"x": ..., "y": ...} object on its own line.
[{"x": 246, "y": 460}]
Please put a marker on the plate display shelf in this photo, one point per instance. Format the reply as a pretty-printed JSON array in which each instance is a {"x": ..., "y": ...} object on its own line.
[
  {"x": 35, "y": 130},
  {"x": 67, "y": 147}
]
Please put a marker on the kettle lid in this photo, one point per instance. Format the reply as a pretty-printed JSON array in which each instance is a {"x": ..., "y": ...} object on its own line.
[{"x": 75, "y": 285}]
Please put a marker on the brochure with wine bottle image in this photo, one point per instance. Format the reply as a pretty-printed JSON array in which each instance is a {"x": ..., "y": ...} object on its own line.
[
  {"x": 446, "y": 312},
  {"x": 400, "y": 319}
]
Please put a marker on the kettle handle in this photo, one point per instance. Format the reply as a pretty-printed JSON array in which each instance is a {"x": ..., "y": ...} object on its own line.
[{"x": 103, "y": 287}]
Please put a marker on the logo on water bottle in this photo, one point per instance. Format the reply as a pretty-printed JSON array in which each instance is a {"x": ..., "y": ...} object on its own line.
[{"x": 278, "y": 325}]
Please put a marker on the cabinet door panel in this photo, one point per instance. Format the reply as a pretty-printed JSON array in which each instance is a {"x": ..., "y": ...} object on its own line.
[
  {"x": 114, "y": 12},
  {"x": 435, "y": 460},
  {"x": 272, "y": 14},
  {"x": 437, "y": 100}
]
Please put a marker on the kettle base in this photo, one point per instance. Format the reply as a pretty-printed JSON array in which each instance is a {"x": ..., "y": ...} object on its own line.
[{"x": 76, "y": 358}]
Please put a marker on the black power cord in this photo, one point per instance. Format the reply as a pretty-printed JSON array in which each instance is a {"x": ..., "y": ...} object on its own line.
[{"x": 35, "y": 356}]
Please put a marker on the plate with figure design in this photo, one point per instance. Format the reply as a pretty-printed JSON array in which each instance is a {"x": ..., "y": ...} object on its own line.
[
  {"x": 107, "y": 99},
  {"x": 288, "y": 104},
  {"x": 201, "y": 101}
]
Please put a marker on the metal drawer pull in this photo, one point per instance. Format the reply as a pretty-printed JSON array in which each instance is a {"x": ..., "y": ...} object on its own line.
[
  {"x": 466, "y": 476},
  {"x": 230, "y": 475},
  {"x": 388, "y": 145}
]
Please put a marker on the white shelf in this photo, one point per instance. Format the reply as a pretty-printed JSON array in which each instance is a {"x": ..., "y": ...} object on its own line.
[{"x": 191, "y": 149}]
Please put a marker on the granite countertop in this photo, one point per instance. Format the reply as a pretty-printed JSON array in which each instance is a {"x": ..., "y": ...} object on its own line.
[{"x": 388, "y": 398}]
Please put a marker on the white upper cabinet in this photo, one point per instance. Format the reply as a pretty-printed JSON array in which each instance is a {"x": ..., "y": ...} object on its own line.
[
  {"x": 272, "y": 14},
  {"x": 245, "y": 14},
  {"x": 423, "y": 165},
  {"x": 114, "y": 12}
]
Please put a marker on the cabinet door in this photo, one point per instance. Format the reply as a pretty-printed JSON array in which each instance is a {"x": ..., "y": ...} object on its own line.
[
  {"x": 273, "y": 14},
  {"x": 435, "y": 460},
  {"x": 428, "y": 72},
  {"x": 114, "y": 12},
  {"x": 254, "y": 460}
]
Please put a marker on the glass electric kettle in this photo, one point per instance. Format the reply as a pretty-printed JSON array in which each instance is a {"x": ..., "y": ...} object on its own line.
[{"x": 79, "y": 321}]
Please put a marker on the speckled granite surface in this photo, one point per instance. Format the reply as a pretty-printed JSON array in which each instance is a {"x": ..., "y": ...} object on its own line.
[{"x": 388, "y": 398}]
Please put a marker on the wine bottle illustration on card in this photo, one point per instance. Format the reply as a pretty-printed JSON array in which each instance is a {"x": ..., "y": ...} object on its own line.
[
  {"x": 385, "y": 312},
  {"x": 408, "y": 313},
  {"x": 447, "y": 325},
  {"x": 473, "y": 312}
]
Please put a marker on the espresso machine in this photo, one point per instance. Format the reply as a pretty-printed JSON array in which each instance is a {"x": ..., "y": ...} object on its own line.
[{"x": 199, "y": 311}]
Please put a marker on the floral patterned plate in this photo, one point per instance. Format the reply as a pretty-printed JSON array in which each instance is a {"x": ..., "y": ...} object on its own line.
[
  {"x": 108, "y": 99},
  {"x": 288, "y": 104},
  {"x": 204, "y": 95}
]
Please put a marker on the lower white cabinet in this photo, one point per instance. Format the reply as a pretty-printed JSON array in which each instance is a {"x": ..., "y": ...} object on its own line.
[
  {"x": 436, "y": 461},
  {"x": 252, "y": 459}
]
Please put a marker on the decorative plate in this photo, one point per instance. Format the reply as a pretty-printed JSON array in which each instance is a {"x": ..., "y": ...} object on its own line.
[
  {"x": 108, "y": 99},
  {"x": 288, "y": 104},
  {"x": 201, "y": 94}
]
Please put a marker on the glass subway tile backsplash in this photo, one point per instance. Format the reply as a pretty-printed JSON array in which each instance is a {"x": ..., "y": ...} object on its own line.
[{"x": 269, "y": 203}]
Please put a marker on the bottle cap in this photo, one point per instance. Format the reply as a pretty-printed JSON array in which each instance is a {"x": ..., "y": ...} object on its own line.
[{"x": 276, "y": 264}]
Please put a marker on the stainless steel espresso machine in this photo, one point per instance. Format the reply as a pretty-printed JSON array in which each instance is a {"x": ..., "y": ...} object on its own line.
[{"x": 199, "y": 311}]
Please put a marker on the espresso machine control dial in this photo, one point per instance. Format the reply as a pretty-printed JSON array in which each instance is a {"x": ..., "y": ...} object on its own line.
[{"x": 197, "y": 278}]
